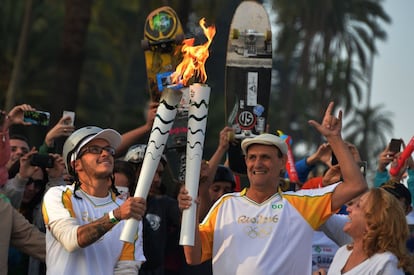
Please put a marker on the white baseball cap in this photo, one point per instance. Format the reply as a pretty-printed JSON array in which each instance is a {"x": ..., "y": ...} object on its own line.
[
  {"x": 265, "y": 139},
  {"x": 111, "y": 136}
]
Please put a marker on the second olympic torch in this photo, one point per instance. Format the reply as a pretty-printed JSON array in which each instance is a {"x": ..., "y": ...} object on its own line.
[
  {"x": 192, "y": 66},
  {"x": 158, "y": 138},
  {"x": 197, "y": 120}
]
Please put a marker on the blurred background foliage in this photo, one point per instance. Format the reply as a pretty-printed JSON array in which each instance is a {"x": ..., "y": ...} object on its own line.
[{"x": 85, "y": 56}]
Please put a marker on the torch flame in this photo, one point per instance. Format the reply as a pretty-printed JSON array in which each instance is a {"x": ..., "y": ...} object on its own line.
[{"x": 194, "y": 57}]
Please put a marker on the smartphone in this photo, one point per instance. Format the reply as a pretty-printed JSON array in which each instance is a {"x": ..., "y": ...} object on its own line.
[
  {"x": 37, "y": 117},
  {"x": 395, "y": 145},
  {"x": 334, "y": 161},
  {"x": 72, "y": 117},
  {"x": 43, "y": 161}
]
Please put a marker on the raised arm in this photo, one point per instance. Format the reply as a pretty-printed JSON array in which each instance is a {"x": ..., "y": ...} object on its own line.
[
  {"x": 63, "y": 128},
  {"x": 131, "y": 137},
  {"x": 221, "y": 150},
  {"x": 353, "y": 181}
]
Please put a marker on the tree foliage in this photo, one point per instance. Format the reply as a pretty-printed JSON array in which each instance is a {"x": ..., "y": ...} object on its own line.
[{"x": 85, "y": 56}]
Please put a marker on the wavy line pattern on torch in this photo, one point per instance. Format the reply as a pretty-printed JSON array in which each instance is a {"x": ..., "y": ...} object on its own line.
[
  {"x": 155, "y": 145},
  {"x": 165, "y": 121},
  {"x": 197, "y": 118},
  {"x": 202, "y": 102},
  {"x": 153, "y": 156},
  {"x": 168, "y": 106},
  {"x": 196, "y": 131},
  {"x": 195, "y": 144},
  {"x": 159, "y": 130}
]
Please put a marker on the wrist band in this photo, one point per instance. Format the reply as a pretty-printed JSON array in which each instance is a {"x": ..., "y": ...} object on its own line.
[{"x": 112, "y": 217}]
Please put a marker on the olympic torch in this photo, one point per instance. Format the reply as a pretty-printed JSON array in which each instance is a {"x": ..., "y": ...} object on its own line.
[
  {"x": 194, "y": 58},
  {"x": 197, "y": 120},
  {"x": 158, "y": 138}
]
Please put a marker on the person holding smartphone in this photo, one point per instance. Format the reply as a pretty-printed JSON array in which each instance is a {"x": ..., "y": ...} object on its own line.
[
  {"x": 32, "y": 181},
  {"x": 63, "y": 128},
  {"x": 389, "y": 157},
  {"x": 385, "y": 158},
  {"x": 19, "y": 145}
]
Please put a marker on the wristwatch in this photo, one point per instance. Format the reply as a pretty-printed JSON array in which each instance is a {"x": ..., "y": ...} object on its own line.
[{"x": 112, "y": 217}]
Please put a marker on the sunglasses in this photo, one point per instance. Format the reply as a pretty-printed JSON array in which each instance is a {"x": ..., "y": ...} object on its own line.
[{"x": 97, "y": 150}]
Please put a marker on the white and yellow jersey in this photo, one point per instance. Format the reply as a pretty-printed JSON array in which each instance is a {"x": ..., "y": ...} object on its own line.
[
  {"x": 274, "y": 237},
  {"x": 62, "y": 210}
]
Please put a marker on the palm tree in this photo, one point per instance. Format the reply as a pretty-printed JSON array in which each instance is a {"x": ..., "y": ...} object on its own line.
[
  {"x": 20, "y": 55},
  {"x": 325, "y": 39},
  {"x": 369, "y": 129},
  {"x": 72, "y": 55}
]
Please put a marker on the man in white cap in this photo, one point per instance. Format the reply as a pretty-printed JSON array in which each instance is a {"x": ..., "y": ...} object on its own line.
[
  {"x": 84, "y": 220},
  {"x": 263, "y": 231}
]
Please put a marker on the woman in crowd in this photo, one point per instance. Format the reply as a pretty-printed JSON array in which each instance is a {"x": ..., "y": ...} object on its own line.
[{"x": 379, "y": 231}]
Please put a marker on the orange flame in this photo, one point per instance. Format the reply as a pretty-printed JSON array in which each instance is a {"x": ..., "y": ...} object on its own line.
[{"x": 194, "y": 57}]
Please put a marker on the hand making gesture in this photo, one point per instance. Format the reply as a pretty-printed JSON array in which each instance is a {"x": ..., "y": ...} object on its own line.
[{"x": 331, "y": 125}]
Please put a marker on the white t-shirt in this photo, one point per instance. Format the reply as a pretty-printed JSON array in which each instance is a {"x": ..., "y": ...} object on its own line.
[
  {"x": 274, "y": 237},
  {"x": 323, "y": 251},
  {"x": 101, "y": 257},
  {"x": 380, "y": 263}
]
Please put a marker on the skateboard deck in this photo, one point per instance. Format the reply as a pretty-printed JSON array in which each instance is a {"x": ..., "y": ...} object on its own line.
[
  {"x": 248, "y": 77},
  {"x": 163, "y": 36}
]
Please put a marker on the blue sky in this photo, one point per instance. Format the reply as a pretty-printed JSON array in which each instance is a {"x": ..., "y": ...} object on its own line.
[{"x": 393, "y": 76}]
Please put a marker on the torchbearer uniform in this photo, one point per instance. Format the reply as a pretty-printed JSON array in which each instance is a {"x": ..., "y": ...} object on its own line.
[{"x": 244, "y": 237}]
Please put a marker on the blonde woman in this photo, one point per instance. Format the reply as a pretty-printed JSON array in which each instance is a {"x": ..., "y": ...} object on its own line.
[{"x": 379, "y": 230}]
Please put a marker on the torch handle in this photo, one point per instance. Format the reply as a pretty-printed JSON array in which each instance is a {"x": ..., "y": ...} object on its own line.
[
  {"x": 408, "y": 150},
  {"x": 188, "y": 226},
  {"x": 159, "y": 134},
  {"x": 130, "y": 231}
]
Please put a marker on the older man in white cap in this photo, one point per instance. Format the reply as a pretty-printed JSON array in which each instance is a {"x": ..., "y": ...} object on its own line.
[
  {"x": 84, "y": 220},
  {"x": 263, "y": 231}
]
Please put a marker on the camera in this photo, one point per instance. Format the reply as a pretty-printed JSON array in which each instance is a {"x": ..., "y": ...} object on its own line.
[
  {"x": 43, "y": 161},
  {"x": 37, "y": 117}
]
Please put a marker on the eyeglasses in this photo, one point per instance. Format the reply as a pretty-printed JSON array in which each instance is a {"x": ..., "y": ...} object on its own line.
[{"x": 97, "y": 150}]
